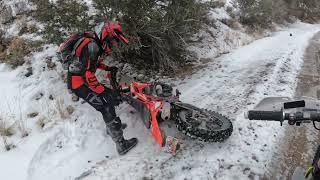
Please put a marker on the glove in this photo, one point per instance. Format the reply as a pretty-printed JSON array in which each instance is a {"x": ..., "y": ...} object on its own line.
[{"x": 113, "y": 69}]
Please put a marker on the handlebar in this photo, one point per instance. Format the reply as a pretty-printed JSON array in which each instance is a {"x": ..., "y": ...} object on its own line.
[
  {"x": 266, "y": 115},
  {"x": 293, "y": 118}
]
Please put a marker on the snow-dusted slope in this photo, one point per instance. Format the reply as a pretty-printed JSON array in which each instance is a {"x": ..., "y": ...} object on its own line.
[{"x": 77, "y": 145}]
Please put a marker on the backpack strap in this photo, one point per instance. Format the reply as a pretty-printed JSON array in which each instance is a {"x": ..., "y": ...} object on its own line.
[
  {"x": 87, "y": 37},
  {"x": 94, "y": 36},
  {"x": 76, "y": 46},
  {"x": 83, "y": 43}
]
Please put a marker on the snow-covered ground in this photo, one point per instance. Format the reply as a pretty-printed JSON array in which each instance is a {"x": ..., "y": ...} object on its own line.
[{"x": 77, "y": 145}]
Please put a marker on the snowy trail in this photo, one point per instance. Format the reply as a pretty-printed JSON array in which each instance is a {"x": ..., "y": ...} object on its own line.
[
  {"x": 263, "y": 67},
  {"x": 79, "y": 146},
  {"x": 299, "y": 145},
  {"x": 231, "y": 84}
]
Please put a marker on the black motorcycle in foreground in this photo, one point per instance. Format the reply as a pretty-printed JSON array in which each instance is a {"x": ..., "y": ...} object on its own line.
[{"x": 296, "y": 112}]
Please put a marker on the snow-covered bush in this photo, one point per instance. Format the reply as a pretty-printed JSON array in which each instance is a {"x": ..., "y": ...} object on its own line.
[
  {"x": 61, "y": 17},
  {"x": 254, "y": 12},
  {"x": 308, "y": 10},
  {"x": 263, "y": 12},
  {"x": 158, "y": 30}
]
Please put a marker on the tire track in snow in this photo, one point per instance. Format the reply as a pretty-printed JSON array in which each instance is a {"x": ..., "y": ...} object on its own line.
[{"x": 43, "y": 162}]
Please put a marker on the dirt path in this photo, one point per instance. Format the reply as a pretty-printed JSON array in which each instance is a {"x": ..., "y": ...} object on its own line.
[{"x": 297, "y": 143}]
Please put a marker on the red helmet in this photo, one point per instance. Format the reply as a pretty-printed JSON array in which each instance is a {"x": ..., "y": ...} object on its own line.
[{"x": 110, "y": 34}]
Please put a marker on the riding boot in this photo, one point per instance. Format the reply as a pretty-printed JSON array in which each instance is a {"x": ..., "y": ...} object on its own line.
[
  {"x": 123, "y": 145},
  {"x": 114, "y": 129}
]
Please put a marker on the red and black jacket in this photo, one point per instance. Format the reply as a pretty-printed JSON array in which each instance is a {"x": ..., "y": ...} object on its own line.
[{"x": 88, "y": 51}]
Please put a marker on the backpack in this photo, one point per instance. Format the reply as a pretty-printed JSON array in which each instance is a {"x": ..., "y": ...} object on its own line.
[{"x": 67, "y": 49}]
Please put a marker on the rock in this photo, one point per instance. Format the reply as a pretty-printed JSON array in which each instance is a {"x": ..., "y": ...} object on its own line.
[
  {"x": 51, "y": 65},
  {"x": 25, "y": 134},
  {"x": 140, "y": 77},
  {"x": 74, "y": 97},
  {"x": 33, "y": 114},
  {"x": 246, "y": 170},
  {"x": 38, "y": 96},
  {"x": 70, "y": 109},
  {"x": 29, "y": 72},
  {"x": 51, "y": 97},
  {"x": 255, "y": 158},
  {"x": 9, "y": 147}
]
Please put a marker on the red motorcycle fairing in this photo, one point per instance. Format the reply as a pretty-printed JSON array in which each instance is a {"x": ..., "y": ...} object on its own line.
[{"x": 153, "y": 105}]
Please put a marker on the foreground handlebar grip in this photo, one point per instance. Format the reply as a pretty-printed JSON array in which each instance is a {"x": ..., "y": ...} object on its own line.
[
  {"x": 315, "y": 117},
  {"x": 265, "y": 115}
]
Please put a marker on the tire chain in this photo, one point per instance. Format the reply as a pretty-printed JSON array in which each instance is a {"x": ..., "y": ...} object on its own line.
[{"x": 203, "y": 135}]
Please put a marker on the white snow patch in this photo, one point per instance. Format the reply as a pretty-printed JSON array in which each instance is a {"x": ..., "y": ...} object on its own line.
[
  {"x": 66, "y": 147},
  {"x": 218, "y": 13}
]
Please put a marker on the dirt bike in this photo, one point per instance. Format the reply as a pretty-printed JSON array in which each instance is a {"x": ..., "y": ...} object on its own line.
[
  {"x": 296, "y": 112},
  {"x": 157, "y": 102}
]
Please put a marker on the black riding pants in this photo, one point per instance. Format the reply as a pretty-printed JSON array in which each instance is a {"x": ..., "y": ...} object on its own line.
[{"x": 103, "y": 103}]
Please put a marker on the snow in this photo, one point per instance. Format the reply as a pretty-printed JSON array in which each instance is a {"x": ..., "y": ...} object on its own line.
[
  {"x": 218, "y": 40},
  {"x": 77, "y": 147},
  {"x": 231, "y": 84},
  {"x": 18, "y": 6},
  {"x": 219, "y": 13}
]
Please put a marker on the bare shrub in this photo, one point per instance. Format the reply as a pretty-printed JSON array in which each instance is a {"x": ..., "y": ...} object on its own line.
[{"x": 13, "y": 51}]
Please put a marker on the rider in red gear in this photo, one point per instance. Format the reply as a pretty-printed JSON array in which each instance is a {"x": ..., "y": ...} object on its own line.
[{"x": 83, "y": 82}]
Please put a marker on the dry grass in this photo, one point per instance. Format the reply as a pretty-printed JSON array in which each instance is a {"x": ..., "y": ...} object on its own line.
[
  {"x": 61, "y": 108},
  {"x": 42, "y": 121},
  {"x": 64, "y": 110},
  {"x": 15, "y": 52},
  {"x": 7, "y": 146},
  {"x": 21, "y": 121},
  {"x": 6, "y": 130}
]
